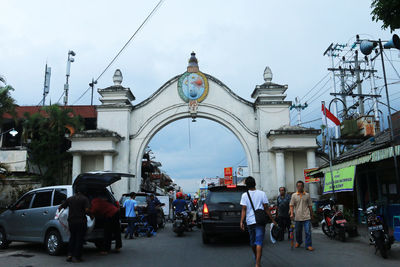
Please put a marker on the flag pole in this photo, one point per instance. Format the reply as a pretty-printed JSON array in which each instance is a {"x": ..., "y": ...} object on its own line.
[{"x": 329, "y": 149}]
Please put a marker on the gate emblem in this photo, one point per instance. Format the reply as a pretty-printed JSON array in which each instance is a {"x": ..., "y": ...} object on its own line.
[{"x": 193, "y": 86}]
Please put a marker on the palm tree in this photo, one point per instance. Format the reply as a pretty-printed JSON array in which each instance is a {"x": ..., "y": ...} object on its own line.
[
  {"x": 7, "y": 103},
  {"x": 44, "y": 135}
]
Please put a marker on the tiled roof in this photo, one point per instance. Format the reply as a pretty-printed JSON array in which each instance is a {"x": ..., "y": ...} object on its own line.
[{"x": 85, "y": 112}]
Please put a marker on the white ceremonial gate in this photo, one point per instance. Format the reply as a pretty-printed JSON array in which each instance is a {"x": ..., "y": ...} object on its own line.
[{"x": 276, "y": 152}]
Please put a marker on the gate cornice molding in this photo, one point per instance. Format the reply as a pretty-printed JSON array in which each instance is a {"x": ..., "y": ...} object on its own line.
[
  {"x": 175, "y": 79},
  {"x": 201, "y": 114}
]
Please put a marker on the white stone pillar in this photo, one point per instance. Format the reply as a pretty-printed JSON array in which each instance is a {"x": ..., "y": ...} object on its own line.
[
  {"x": 311, "y": 163},
  {"x": 108, "y": 162},
  {"x": 76, "y": 165},
  {"x": 280, "y": 168}
]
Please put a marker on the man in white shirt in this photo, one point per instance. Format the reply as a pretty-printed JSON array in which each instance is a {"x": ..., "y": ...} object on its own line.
[{"x": 256, "y": 231}]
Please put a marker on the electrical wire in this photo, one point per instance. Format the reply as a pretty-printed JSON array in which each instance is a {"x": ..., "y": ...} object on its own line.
[
  {"x": 398, "y": 75},
  {"x": 122, "y": 49}
]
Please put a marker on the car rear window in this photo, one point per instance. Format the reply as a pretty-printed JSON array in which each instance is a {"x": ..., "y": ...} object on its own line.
[
  {"x": 42, "y": 199},
  {"x": 141, "y": 200},
  {"x": 225, "y": 196}
]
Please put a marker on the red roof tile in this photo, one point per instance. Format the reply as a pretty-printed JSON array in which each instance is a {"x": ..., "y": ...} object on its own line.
[{"x": 85, "y": 112}]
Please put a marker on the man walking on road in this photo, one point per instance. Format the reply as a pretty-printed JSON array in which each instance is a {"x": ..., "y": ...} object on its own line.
[
  {"x": 283, "y": 215},
  {"x": 301, "y": 212},
  {"x": 78, "y": 206},
  {"x": 259, "y": 200},
  {"x": 130, "y": 214}
]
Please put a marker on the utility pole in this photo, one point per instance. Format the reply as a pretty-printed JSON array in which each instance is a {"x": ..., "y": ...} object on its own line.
[
  {"x": 70, "y": 59},
  {"x": 330, "y": 51},
  {"x": 343, "y": 91},
  {"x": 375, "y": 92},
  {"x": 359, "y": 89},
  {"x": 46, "y": 83},
  {"x": 299, "y": 107},
  {"x": 396, "y": 170}
]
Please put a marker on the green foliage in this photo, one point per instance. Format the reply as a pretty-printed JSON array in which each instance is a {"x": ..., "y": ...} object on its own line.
[
  {"x": 44, "y": 135},
  {"x": 7, "y": 103},
  {"x": 388, "y": 11}
]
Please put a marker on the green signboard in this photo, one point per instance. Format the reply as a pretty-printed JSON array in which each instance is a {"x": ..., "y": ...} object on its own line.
[{"x": 344, "y": 180}]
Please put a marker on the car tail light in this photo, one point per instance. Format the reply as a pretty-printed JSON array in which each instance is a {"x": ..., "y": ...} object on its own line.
[
  {"x": 231, "y": 186},
  {"x": 206, "y": 213}
]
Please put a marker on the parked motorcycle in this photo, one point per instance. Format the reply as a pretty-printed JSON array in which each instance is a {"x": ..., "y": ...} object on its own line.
[
  {"x": 333, "y": 223},
  {"x": 180, "y": 223},
  {"x": 378, "y": 231}
]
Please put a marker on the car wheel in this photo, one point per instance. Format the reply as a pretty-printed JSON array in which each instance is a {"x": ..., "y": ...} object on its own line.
[
  {"x": 3, "y": 239},
  {"x": 206, "y": 238},
  {"x": 53, "y": 243}
]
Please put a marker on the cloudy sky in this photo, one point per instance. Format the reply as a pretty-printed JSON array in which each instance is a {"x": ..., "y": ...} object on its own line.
[{"x": 234, "y": 41}]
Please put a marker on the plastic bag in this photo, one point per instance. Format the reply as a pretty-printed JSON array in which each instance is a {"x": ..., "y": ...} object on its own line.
[
  {"x": 62, "y": 217},
  {"x": 270, "y": 233}
]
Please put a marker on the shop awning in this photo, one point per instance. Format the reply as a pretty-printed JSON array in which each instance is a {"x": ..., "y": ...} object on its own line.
[{"x": 375, "y": 156}]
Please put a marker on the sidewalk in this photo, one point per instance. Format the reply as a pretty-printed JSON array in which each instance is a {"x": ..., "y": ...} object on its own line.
[{"x": 363, "y": 235}]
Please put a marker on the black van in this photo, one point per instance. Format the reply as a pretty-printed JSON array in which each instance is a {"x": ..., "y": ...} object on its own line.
[{"x": 222, "y": 211}]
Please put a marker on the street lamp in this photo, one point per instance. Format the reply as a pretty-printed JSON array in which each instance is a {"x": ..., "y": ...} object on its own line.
[
  {"x": 11, "y": 131},
  {"x": 70, "y": 59}
]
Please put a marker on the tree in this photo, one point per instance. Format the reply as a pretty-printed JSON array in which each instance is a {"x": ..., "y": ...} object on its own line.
[
  {"x": 7, "y": 103},
  {"x": 44, "y": 135},
  {"x": 388, "y": 11}
]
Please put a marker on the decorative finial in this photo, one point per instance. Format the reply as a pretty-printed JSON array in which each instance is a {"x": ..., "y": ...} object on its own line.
[
  {"x": 193, "y": 65},
  {"x": 117, "y": 78},
  {"x": 268, "y": 75}
]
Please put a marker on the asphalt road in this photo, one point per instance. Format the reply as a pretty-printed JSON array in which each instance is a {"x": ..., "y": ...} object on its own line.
[{"x": 166, "y": 249}]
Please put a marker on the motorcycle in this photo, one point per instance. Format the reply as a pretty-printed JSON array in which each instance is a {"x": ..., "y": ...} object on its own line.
[
  {"x": 333, "y": 223},
  {"x": 272, "y": 209},
  {"x": 180, "y": 223},
  {"x": 378, "y": 231}
]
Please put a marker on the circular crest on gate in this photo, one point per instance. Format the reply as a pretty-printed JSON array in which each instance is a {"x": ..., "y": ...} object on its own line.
[{"x": 193, "y": 86}]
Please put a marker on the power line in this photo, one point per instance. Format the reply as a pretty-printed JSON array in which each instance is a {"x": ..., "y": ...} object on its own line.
[
  {"x": 315, "y": 86},
  {"x": 391, "y": 63},
  {"x": 122, "y": 49}
]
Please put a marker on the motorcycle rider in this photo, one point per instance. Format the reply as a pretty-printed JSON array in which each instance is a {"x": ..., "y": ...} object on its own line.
[
  {"x": 191, "y": 208},
  {"x": 179, "y": 204}
]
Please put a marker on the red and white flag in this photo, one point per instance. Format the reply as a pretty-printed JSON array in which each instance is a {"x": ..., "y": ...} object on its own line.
[{"x": 330, "y": 119}]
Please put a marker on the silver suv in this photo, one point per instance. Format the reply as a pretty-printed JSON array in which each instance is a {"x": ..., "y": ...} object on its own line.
[{"x": 31, "y": 218}]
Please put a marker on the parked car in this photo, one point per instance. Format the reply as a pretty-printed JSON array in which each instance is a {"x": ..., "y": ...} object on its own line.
[
  {"x": 141, "y": 199},
  {"x": 222, "y": 211},
  {"x": 31, "y": 218}
]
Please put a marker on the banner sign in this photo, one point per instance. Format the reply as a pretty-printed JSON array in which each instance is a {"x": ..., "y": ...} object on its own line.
[
  {"x": 242, "y": 171},
  {"x": 228, "y": 175},
  {"x": 343, "y": 178},
  {"x": 309, "y": 179}
]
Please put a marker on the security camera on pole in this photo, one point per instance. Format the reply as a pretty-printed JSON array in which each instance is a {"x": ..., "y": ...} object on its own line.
[{"x": 71, "y": 54}]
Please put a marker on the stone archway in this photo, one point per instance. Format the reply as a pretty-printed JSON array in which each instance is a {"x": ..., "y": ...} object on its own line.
[
  {"x": 277, "y": 153},
  {"x": 162, "y": 118}
]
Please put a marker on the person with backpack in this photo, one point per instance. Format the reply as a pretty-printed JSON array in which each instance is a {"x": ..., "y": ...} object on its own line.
[{"x": 256, "y": 212}]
